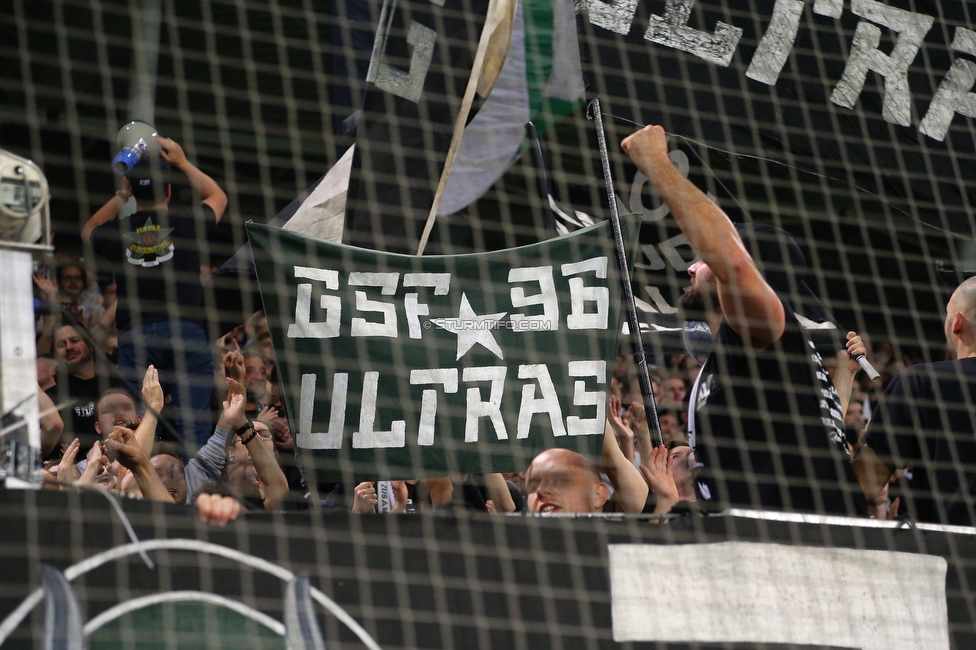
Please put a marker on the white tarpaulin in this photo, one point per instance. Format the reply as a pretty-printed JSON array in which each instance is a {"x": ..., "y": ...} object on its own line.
[{"x": 769, "y": 593}]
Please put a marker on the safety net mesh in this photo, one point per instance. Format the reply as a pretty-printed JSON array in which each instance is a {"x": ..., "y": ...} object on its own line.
[{"x": 430, "y": 340}]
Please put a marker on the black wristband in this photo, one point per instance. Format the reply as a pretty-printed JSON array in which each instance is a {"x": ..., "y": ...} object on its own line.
[{"x": 243, "y": 428}]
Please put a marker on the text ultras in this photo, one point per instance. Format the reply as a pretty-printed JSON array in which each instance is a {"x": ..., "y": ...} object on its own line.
[{"x": 399, "y": 306}]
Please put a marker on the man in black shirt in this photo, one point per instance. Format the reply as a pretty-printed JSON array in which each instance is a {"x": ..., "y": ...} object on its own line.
[
  {"x": 926, "y": 425},
  {"x": 155, "y": 256},
  {"x": 79, "y": 385},
  {"x": 765, "y": 420}
]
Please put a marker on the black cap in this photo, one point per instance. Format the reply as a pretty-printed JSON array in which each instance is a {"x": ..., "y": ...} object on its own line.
[{"x": 147, "y": 172}]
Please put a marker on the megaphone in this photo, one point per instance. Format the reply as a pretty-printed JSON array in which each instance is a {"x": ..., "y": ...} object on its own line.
[
  {"x": 136, "y": 141},
  {"x": 24, "y": 203}
]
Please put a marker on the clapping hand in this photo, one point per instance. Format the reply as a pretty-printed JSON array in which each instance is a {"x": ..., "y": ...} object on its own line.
[
  {"x": 67, "y": 472},
  {"x": 234, "y": 365},
  {"x": 660, "y": 479},
  {"x": 152, "y": 391},
  {"x": 121, "y": 445}
]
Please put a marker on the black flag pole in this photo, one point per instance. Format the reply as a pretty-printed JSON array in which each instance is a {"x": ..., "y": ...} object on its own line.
[{"x": 633, "y": 323}]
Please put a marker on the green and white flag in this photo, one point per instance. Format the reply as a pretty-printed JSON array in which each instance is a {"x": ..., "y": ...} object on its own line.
[{"x": 395, "y": 366}]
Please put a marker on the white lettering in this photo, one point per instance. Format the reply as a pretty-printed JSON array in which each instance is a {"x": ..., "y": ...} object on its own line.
[
  {"x": 776, "y": 43},
  {"x": 953, "y": 95},
  {"x": 575, "y": 425},
  {"x": 579, "y": 294},
  {"x": 367, "y": 437},
  {"x": 331, "y": 439},
  {"x": 446, "y": 377},
  {"x": 672, "y": 30},
  {"x": 616, "y": 15},
  {"x": 410, "y": 85},
  {"x": 388, "y": 284},
  {"x": 440, "y": 282},
  {"x": 303, "y": 328},
  {"x": 477, "y": 408},
  {"x": 547, "y": 404},
  {"x": 865, "y": 55},
  {"x": 546, "y": 297}
]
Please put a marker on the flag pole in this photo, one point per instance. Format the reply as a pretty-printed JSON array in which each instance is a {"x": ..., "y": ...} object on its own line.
[
  {"x": 640, "y": 357},
  {"x": 496, "y": 37}
]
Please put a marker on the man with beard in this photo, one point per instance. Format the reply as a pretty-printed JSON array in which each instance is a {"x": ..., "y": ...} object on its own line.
[
  {"x": 765, "y": 421},
  {"x": 81, "y": 386}
]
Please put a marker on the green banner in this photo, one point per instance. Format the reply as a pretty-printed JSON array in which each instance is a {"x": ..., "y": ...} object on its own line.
[{"x": 394, "y": 366}]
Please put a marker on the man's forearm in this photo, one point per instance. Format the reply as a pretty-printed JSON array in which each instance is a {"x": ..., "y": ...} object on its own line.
[
  {"x": 145, "y": 433},
  {"x": 627, "y": 481},
  {"x": 207, "y": 187},
  {"x": 708, "y": 230},
  {"x": 499, "y": 493},
  {"x": 269, "y": 473},
  {"x": 149, "y": 482},
  {"x": 872, "y": 473},
  {"x": 51, "y": 423},
  {"x": 103, "y": 215}
]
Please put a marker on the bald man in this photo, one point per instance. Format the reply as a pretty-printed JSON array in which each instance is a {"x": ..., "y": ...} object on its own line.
[
  {"x": 562, "y": 480},
  {"x": 926, "y": 423}
]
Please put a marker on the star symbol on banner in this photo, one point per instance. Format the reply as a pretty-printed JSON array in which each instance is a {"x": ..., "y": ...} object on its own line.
[{"x": 470, "y": 328}]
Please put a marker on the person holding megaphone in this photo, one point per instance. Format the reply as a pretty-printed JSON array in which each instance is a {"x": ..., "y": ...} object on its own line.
[{"x": 155, "y": 255}]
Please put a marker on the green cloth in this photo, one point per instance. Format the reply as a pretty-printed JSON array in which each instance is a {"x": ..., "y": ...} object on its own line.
[{"x": 389, "y": 367}]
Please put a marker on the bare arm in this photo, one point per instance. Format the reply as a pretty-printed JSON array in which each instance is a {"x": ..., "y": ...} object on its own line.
[
  {"x": 843, "y": 375},
  {"x": 274, "y": 485},
  {"x": 629, "y": 485},
  {"x": 51, "y": 423},
  {"x": 498, "y": 493},
  {"x": 94, "y": 465},
  {"x": 152, "y": 395},
  {"x": 121, "y": 445},
  {"x": 107, "y": 212},
  {"x": 209, "y": 191},
  {"x": 750, "y": 305},
  {"x": 660, "y": 479},
  {"x": 47, "y": 286},
  {"x": 871, "y": 472}
]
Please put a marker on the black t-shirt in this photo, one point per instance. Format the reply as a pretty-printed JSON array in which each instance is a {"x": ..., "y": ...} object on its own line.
[
  {"x": 768, "y": 430},
  {"x": 927, "y": 421},
  {"x": 83, "y": 395},
  {"x": 155, "y": 256}
]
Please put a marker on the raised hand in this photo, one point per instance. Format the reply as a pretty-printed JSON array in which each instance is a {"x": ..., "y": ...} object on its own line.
[
  {"x": 152, "y": 391},
  {"x": 67, "y": 472},
  {"x": 648, "y": 148},
  {"x": 234, "y": 365},
  {"x": 172, "y": 152},
  {"x": 46, "y": 284},
  {"x": 235, "y": 404},
  {"x": 95, "y": 463},
  {"x": 364, "y": 498},
  {"x": 120, "y": 445},
  {"x": 660, "y": 479},
  {"x": 267, "y": 414},
  {"x": 855, "y": 348}
]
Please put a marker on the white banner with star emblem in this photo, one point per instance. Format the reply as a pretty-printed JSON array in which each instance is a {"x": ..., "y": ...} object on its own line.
[{"x": 395, "y": 366}]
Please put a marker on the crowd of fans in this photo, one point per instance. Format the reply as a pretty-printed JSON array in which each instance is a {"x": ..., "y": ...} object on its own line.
[
  {"x": 101, "y": 440},
  {"x": 115, "y": 435}
]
